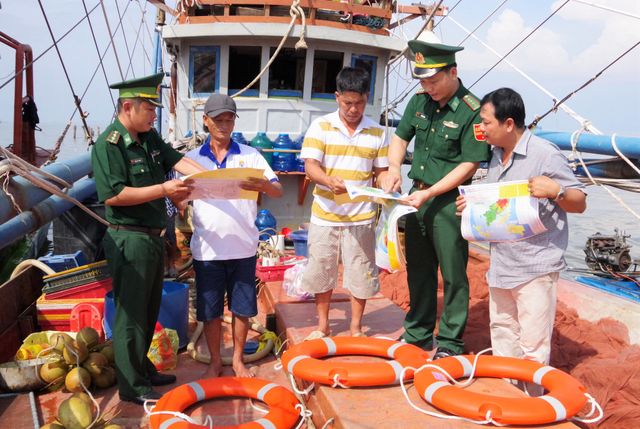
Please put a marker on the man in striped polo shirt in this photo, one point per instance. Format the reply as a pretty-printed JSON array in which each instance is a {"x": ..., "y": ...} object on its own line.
[{"x": 339, "y": 148}]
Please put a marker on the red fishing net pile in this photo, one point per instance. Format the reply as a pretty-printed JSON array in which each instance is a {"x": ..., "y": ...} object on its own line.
[{"x": 597, "y": 354}]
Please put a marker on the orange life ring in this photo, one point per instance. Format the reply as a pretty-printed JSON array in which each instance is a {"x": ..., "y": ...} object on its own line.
[
  {"x": 281, "y": 401},
  {"x": 302, "y": 360},
  {"x": 565, "y": 398}
]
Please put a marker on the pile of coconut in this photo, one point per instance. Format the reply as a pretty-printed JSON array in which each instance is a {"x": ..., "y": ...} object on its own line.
[{"x": 77, "y": 365}]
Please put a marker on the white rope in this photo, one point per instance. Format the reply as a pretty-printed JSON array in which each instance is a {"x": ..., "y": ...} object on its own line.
[
  {"x": 304, "y": 412},
  {"x": 326, "y": 424},
  {"x": 295, "y": 388},
  {"x": 575, "y": 136},
  {"x": 337, "y": 383},
  {"x": 622, "y": 155},
  {"x": 621, "y": 12},
  {"x": 295, "y": 11},
  {"x": 594, "y": 407},
  {"x": 24, "y": 169}
]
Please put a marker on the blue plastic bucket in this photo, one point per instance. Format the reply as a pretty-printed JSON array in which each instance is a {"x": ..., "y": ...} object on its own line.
[
  {"x": 174, "y": 310},
  {"x": 299, "y": 238}
]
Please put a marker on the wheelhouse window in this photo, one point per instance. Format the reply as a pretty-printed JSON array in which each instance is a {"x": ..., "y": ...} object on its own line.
[
  {"x": 326, "y": 66},
  {"x": 244, "y": 66},
  {"x": 204, "y": 65},
  {"x": 286, "y": 74},
  {"x": 369, "y": 63}
]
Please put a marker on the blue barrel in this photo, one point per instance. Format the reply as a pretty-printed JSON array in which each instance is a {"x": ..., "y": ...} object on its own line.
[
  {"x": 237, "y": 137},
  {"x": 261, "y": 141},
  {"x": 284, "y": 161},
  {"x": 299, "y": 238},
  {"x": 267, "y": 223},
  {"x": 297, "y": 143},
  {"x": 174, "y": 310}
]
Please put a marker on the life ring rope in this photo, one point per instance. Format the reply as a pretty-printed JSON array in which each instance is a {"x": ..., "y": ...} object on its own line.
[{"x": 469, "y": 370}]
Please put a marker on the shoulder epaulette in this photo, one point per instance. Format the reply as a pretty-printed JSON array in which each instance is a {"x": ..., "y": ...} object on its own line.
[
  {"x": 113, "y": 137},
  {"x": 471, "y": 101}
]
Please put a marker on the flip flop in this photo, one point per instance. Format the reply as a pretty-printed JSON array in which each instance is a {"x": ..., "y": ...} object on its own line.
[
  {"x": 314, "y": 335},
  {"x": 358, "y": 334}
]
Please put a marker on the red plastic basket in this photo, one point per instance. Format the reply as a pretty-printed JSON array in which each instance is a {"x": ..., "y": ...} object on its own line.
[
  {"x": 276, "y": 272},
  {"x": 97, "y": 289}
]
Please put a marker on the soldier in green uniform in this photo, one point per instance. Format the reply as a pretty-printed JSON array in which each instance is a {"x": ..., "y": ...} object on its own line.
[
  {"x": 130, "y": 161},
  {"x": 444, "y": 119}
]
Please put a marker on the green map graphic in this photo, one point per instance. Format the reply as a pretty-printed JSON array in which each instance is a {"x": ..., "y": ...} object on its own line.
[{"x": 494, "y": 210}]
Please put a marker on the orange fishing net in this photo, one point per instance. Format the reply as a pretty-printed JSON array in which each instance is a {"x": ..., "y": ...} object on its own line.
[{"x": 597, "y": 354}]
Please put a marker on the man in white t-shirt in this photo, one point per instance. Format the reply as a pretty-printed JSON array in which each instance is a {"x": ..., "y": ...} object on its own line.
[
  {"x": 339, "y": 148},
  {"x": 225, "y": 237}
]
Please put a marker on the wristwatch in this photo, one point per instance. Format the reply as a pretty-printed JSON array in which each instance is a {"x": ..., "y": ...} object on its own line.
[{"x": 561, "y": 194}]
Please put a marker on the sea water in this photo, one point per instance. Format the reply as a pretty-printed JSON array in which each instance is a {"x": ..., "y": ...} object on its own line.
[{"x": 603, "y": 212}]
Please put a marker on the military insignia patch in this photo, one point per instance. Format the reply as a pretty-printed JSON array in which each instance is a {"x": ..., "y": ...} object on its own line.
[
  {"x": 477, "y": 133},
  {"x": 471, "y": 101},
  {"x": 113, "y": 137},
  {"x": 419, "y": 58}
]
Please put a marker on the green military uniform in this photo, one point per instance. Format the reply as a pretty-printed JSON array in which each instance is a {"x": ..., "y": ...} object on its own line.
[
  {"x": 134, "y": 244},
  {"x": 444, "y": 137}
]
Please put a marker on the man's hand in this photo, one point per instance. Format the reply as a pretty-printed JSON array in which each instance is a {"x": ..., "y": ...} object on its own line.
[
  {"x": 543, "y": 187},
  {"x": 336, "y": 184},
  {"x": 417, "y": 199},
  {"x": 461, "y": 204},
  {"x": 391, "y": 181},
  {"x": 177, "y": 189},
  {"x": 255, "y": 184}
]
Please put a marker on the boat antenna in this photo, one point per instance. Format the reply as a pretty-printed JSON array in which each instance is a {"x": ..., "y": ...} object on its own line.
[
  {"x": 520, "y": 42},
  {"x": 597, "y": 75},
  {"x": 76, "y": 99}
]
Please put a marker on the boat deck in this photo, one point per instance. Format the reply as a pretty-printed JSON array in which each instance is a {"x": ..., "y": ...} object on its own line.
[{"x": 383, "y": 407}]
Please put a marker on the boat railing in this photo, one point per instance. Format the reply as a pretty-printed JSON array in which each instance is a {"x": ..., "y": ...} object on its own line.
[{"x": 360, "y": 15}]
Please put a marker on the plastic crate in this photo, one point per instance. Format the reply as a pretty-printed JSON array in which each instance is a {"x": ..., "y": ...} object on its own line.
[
  {"x": 64, "y": 262},
  {"x": 75, "y": 277},
  {"x": 276, "y": 272},
  {"x": 55, "y": 315},
  {"x": 96, "y": 289}
]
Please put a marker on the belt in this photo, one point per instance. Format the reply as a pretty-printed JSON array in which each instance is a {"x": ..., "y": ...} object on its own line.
[
  {"x": 151, "y": 231},
  {"x": 420, "y": 185}
]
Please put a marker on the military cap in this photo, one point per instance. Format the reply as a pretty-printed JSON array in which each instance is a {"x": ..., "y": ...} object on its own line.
[
  {"x": 430, "y": 58},
  {"x": 147, "y": 87}
]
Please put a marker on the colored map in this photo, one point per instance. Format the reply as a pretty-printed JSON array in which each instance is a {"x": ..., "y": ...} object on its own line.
[{"x": 500, "y": 212}]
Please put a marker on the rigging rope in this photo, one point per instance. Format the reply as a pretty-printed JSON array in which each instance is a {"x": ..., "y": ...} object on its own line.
[
  {"x": 106, "y": 20},
  {"x": 481, "y": 23},
  {"x": 585, "y": 123},
  {"x": 135, "y": 45},
  {"x": 76, "y": 99},
  {"x": 607, "y": 8},
  {"x": 124, "y": 35},
  {"x": 295, "y": 11},
  {"x": 571, "y": 94},
  {"x": 46, "y": 50},
  {"x": 520, "y": 42},
  {"x": 95, "y": 43}
]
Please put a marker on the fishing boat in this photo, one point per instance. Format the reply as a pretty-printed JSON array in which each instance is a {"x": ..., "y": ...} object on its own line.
[{"x": 278, "y": 59}]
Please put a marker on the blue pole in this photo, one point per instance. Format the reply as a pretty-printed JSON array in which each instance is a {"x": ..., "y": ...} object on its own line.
[
  {"x": 591, "y": 143},
  {"x": 27, "y": 195},
  {"x": 158, "y": 65},
  {"x": 29, "y": 221}
]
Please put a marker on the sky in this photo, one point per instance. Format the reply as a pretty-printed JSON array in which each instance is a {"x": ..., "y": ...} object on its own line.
[{"x": 571, "y": 47}]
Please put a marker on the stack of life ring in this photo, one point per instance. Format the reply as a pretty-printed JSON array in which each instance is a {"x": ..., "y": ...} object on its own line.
[
  {"x": 565, "y": 398},
  {"x": 281, "y": 401},
  {"x": 303, "y": 361}
]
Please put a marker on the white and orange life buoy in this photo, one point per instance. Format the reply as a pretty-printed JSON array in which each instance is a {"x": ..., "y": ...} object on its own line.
[
  {"x": 303, "y": 361},
  {"x": 565, "y": 398},
  {"x": 281, "y": 401}
]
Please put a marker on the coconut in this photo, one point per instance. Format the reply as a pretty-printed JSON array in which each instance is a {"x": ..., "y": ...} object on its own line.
[
  {"x": 74, "y": 413},
  {"x": 52, "y": 425},
  {"x": 88, "y": 336},
  {"x": 106, "y": 379},
  {"x": 72, "y": 380},
  {"x": 58, "y": 340},
  {"x": 107, "y": 351},
  {"x": 51, "y": 372},
  {"x": 75, "y": 352},
  {"x": 95, "y": 363}
]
